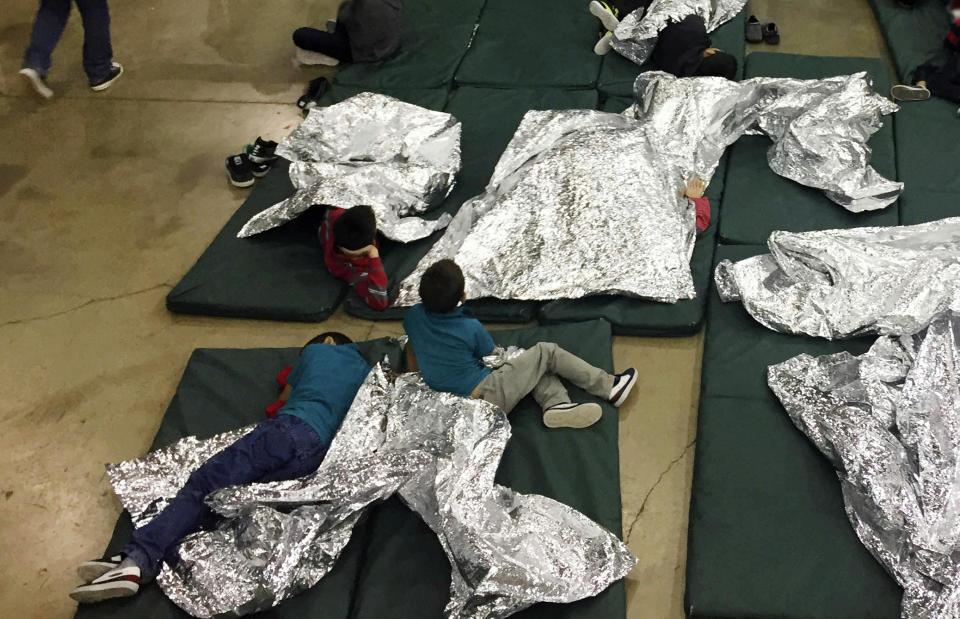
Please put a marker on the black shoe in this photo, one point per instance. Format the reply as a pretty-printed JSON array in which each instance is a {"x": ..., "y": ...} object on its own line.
[
  {"x": 753, "y": 31},
  {"x": 263, "y": 151},
  {"x": 315, "y": 89},
  {"x": 771, "y": 34},
  {"x": 260, "y": 170},
  {"x": 116, "y": 70},
  {"x": 239, "y": 170}
]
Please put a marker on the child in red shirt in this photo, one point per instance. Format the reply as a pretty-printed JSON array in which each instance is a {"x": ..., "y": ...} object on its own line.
[{"x": 349, "y": 238}]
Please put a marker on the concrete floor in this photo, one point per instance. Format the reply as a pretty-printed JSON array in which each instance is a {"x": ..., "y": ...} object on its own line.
[{"x": 106, "y": 199}]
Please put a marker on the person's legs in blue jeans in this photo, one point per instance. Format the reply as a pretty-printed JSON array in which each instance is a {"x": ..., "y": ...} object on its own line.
[
  {"x": 281, "y": 448},
  {"x": 47, "y": 30},
  {"x": 97, "y": 49}
]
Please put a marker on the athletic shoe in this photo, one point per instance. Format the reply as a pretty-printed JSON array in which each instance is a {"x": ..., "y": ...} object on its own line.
[
  {"x": 89, "y": 571},
  {"x": 622, "y": 384},
  {"x": 263, "y": 151},
  {"x": 239, "y": 170},
  {"x": 608, "y": 16},
  {"x": 259, "y": 170},
  {"x": 36, "y": 81},
  {"x": 116, "y": 70},
  {"x": 753, "y": 30},
  {"x": 570, "y": 415},
  {"x": 305, "y": 56},
  {"x": 903, "y": 92},
  {"x": 315, "y": 89},
  {"x": 603, "y": 46},
  {"x": 771, "y": 34},
  {"x": 116, "y": 583}
]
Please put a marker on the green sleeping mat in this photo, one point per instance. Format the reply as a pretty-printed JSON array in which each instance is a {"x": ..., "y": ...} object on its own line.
[
  {"x": 405, "y": 573},
  {"x": 617, "y": 74},
  {"x": 768, "y": 535},
  {"x": 279, "y": 274},
  {"x": 434, "y": 38},
  {"x": 528, "y": 43},
  {"x": 913, "y": 35},
  {"x": 756, "y": 201},
  {"x": 489, "y": 118},
  {"x": 223, "y": 389}
]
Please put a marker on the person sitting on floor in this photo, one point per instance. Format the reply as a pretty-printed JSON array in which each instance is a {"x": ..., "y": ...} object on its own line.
[
  {"x": 365, "y": 31},
  {"x": 349, "y": 239},
  {"x": 319, "y": 392},
  {"x": 447, "y": 345},
  {"x": 929, "y": 79}
]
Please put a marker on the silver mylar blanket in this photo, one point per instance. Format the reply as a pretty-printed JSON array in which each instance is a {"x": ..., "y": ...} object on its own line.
[
  {"x": 636, "y": 36},
  {"x": 889, "y": 422},
  {"x": 843, "y": 283},
  {"x": 585, "y": 202},
  {"x": 439, "y": 451},
  {"x": 397, "y": 157}
]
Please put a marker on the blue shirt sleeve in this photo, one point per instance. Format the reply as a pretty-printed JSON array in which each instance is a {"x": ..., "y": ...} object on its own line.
[{"x": 485, "y": 343}]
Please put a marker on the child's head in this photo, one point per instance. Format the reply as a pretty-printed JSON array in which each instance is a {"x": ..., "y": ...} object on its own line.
[
  {"x": 355, "y": 228},
  {"x": 441, "y": 287},
  {"x": 328, "y": 337},
  {"x": 720, "y": 64}
]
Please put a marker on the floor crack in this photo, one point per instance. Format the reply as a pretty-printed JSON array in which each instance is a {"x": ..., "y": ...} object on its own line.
[
  {"x": 83, "y": 305},
  {"x": 643, "y": 504}
]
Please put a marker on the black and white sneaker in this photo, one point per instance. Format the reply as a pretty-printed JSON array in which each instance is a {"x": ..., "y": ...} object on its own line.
[
  {"x": 622, "y": 384},
  {"x": 259, "y": 170},
  {"x": 571, "y": 415},
  {"x": 89, "y": 571},
  {"x": 116, "y": 583},
  {"x": 239, "y": 170},
  {"x": 263, "y": 151},
  {"x": 116, "y": 70}
]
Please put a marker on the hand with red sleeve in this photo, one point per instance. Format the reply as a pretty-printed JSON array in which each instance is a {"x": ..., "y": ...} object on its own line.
[
  {"x": 694, "y": 192},
  {"x": 274, "y": 408},
  {"x": 283, "y": 374}
]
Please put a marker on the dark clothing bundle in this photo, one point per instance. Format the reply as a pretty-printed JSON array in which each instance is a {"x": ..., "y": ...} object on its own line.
[
  {"x": 625, "y": 7},
  {"x": 680, "y": 46},
  {"x": 373, "y": 27}
]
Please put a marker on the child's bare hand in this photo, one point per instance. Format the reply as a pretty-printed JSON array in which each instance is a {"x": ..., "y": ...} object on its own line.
[
  {"x": 371, "y": 251},
  {"x": 694, "y": 188}
]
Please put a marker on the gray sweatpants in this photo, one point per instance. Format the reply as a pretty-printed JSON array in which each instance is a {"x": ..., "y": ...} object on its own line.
[{"x": 537, "y": 370}]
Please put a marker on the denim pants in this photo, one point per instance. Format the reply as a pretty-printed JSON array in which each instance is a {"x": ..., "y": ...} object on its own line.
[
  {"x": 49, "y": 25},
  {"x": 282, "y": 448}
]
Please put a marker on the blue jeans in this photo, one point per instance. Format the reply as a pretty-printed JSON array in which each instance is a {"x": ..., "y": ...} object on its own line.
[
  {"x": 282, "y": 448},
  {"x": 49, "y": 25}
]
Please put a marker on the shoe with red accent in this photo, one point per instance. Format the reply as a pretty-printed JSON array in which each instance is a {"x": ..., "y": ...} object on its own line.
[
  {"x": 89, "y": 571},
  {"x": 116, "y": 583},
  {"x": 622, "y": 384}
]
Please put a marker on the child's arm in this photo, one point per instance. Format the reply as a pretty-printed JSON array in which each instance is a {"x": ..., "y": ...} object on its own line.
[
  {"x": 485, "y": 343},
  {"x": 411, "y": 358},
  {"x": 371, "y": 282},
  {"x": 694, "y": 192}
]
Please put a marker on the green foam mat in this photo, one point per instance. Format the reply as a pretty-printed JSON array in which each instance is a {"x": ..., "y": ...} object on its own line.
[
  {"x": 489, "y": 117},
  {"x": 405, "y": 573},
  {"x": 220, "y": 390},
  {"x": 913, "y": 35},
  {"x": 617, "y": 74},
  {"x": 768, "y": 535},
  {"x": 529, "y": 43},
  {"x": 756, "y": 201},
  {"x": 928, "y": 149}
]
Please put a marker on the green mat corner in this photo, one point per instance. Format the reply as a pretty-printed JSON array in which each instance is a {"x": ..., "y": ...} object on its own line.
[{"x": 928, "y": 149}]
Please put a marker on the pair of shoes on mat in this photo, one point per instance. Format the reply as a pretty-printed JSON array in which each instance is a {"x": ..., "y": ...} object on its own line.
[
  {"x": 106, "y": 578},
  {"x": 254, "y": 162},
  {"x": 573, "y": 415},
  {"x": 756, "y": 32},
  {"x": 315, "y": 90},
  {"x": 905, "y": 92}
]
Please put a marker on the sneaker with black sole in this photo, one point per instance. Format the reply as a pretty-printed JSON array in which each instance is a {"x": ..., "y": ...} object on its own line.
[
  {"x": 115, "y": 583},
  {"x": 622, "y": 384},
  {"x": 903, "y": 92},
  {"x": 263, "y": 151},
  {"x": 572, "y": 415},
  {"x": 239, "y": 170},
  {"x": 608, "y": 16},
  {"x": 116, "y": 70},
  {"x": 37, "y": 82},
  {"x": 89, "y": 571}
]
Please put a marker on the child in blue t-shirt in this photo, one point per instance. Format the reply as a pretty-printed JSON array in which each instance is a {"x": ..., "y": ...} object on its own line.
[
  {"x": 448, "y": 345},
  {"x": 318, "y": 394}
]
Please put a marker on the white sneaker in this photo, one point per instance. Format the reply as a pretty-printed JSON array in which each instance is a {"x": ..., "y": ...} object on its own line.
[
  {"x": 604, "y": 45},
  {"x": 89, "y": 571},
  {"x": 305, "y": 56},
  {"x": 606, "y": 16},
  {"x": 622, "y": 384},
  {"x": 36, "y": 82},
  {"x": 117, "y": 583},
  {"x": 570, "y": 415},
  {"x": 904, "y": 92}
]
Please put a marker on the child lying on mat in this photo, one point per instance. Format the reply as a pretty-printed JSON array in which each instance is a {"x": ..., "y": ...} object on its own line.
[
  {"x": 448, "y": 345},
  {"x": 349, "y": 239},
  {"x": 365, "y": 31},
  {"x": 319, "y": 392},
  {"x": 939, "y": 81}
]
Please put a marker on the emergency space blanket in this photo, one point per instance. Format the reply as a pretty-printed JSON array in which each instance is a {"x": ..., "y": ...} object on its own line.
[
  {"x": 636, "y": 36},
  {"x": 439, "y": 451},
  {"x": 844, "y": 283},
  {"x": 399, "y": 158},
  {"x": 584, "y": 202},
  {"x": 889, "y": 423}
]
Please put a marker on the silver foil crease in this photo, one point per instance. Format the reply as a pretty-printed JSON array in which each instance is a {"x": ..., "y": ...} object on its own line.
[
  {"x": 843, "y": 283},
  {"x": 636, "y": 36},
  {"x": 584, "y": 202},
  {"x": 889, "y": 423},
  {"x": 397, "y": 157},
  {"x": 439, "y": 451}
]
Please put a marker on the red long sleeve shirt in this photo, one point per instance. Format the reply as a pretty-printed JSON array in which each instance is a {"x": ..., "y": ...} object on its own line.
[
  {"x": 365, "y": 275},
  {"x": 703, "y": 213}
]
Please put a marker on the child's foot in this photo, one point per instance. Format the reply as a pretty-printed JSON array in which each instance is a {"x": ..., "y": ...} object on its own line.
[
  {"x": 603, "y": 46},
  {"x": 622, "y": 384},
  {"x": 903, "y": 92},
  {"x": 305, "y": 56},
  {"x": 89, "y": 571},
  {"x": 116, "y": 70},
  {"x": 116, "y": 583},
  {"x": 36, "y": 82},
  {"x": 570, "y": 415},
  {"x": 607, "y": 15}
]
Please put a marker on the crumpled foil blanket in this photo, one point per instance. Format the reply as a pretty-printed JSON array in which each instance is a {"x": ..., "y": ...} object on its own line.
[
  {"x": 636, "y": 36},
  {"x": 397, "y": 157},
  {"x": 584, "y": 202},
  {"x": 844, "y": 283},
  {"x": 439, "y": 451},
  {"x": 889, "y": 423}
]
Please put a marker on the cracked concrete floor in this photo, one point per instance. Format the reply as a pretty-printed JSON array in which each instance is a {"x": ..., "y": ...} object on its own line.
[{"x": 106, "y": 199}]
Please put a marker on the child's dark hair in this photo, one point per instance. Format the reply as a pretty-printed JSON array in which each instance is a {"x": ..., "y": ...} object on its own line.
[
  {"x": 338, "y": 339},
  {"x": 441, "y": 287},
  {"x": 720, "y": 64},
  {"x": 355, "y": 228}
]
